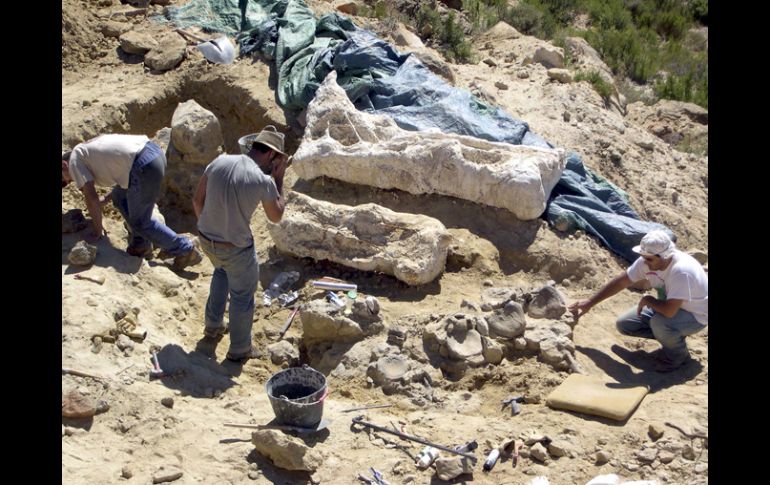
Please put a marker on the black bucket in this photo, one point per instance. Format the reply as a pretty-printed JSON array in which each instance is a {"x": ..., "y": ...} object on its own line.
[{"x": 297, "y": 395}]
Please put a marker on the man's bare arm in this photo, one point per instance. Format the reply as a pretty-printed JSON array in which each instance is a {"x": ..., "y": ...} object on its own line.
[
  {"x": 199, "y": 199},
  {"x": 615, "y": 286}
]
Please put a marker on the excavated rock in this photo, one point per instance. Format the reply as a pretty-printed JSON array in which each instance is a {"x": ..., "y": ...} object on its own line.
[
  {"x": 196, "y": 133},
  {"x": 508, "y": 322},
  {"x": 547, "y": 302},
  {"x": 456, "y": 340},
  {"x": 133, "y": 42},
  {"x": 82, "y": 254},
  {"x": 368, "y": 237},
  {"x": 495, "y": 297},
  {"x": 73, "y": 221},
  {"x": 167, "y": 54},
  {"x": 324, "y": 322},
  {"x": 361, "y": 148},
  {"x": 286, "y": 451}
]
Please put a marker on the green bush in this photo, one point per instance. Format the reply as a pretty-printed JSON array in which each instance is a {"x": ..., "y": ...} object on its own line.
[
  {"x": 700, "y": 10},
  {"x": 601, "y": 86}
]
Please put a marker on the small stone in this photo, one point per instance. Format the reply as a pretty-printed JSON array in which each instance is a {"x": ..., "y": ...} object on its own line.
[
  {"x": 69, "y": 430},
  {"x": 522, "y": 74},
  {"x": 73, "y": 221},
  {"x": 167, "y": 474},
  {"x": 666, "y": 456},
  {"x": 82, "y": 254},
  {"x": 561, "y": 75},
  {"x": 538, "y": 452},
  {"x": 501, "y": 85},
  {"x": 168, "y": 402},
  {"x": 452, "y": 467},
  {"x": 96, "y": 345},
  {"x": 350, "y": 8},
  {"x": 602, "y": 457},
  {"x": 488, "y": 283},
  {"x": 76, "y": 405},
  {"x": 688, "y": 452},
  {"x": 254, "y": 475},
  {"x": 520, "y": 343},
  {"x": 102, "y": 406},
  {"x": 632, "y": 467},
  {"x": 655, "y": 431},
  {"x": 558, "y": 448},
  {"x": 566, "y": 116},
  {"x": 469, "y": 305},
  {"x": 490, "y": 62},
  {"x": 123, "y": 342},
  {"x": 126, "y": 472},
  {"x": 647, "y": 456}
]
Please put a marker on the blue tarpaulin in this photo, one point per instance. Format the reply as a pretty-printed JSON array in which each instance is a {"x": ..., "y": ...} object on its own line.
[{"x": 379, "y": 79}]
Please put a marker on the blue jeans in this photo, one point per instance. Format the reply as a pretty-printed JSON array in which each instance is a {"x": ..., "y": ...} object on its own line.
[
  {"x": 237, "y": 273},
  {"x": 136, "y": 203},
  {"x": 670, "y": 332}
]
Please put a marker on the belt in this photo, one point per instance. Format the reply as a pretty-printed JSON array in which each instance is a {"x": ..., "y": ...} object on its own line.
[{"x": 216, "y": 244}]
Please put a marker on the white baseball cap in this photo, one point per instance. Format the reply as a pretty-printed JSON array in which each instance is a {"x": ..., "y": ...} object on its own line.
[{"x": 655, "y": 243}]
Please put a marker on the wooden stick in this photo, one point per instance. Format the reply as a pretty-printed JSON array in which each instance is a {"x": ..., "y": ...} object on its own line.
[
  {"x": 374, "y": 406},
  {"x": 74, "y": 372},
  {"x": 689, "y": 435},
  {"x": 185, "y": 34}
]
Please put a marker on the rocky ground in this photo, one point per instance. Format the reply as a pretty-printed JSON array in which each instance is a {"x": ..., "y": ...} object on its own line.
[{"x": 150, "y": 430}]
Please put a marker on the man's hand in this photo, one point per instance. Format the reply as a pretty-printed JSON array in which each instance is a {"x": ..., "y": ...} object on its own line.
[
  {"x": 580, "y": 308},
  {"x": 646, "y": 301},
  {"x": 279, "y": 166}
]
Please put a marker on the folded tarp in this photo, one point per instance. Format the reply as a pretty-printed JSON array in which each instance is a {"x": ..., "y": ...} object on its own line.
[
  {"x": 584, "y": 200},
  {"x": 379, "y": 79}
]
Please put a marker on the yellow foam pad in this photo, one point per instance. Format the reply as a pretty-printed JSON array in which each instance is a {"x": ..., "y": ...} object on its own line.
[{"x": 591, "y": 395}]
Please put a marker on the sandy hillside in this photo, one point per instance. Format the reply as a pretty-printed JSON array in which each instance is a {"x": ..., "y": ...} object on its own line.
[{"x": 135, "y": 434}]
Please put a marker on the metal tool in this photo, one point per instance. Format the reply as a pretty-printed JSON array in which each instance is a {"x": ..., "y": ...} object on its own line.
[
  {"x": 156, "y": 371},
  {"x": 359, "y": 420},
  {"x": 377, "y": 480},
  {"x": 286, "y": 325}
]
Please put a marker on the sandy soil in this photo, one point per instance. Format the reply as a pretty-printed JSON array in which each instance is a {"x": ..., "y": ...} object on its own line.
[{"x": 103, "y": 90}]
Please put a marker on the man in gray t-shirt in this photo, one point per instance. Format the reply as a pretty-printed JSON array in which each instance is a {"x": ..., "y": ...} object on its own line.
[{"x": 227, "y": 195}]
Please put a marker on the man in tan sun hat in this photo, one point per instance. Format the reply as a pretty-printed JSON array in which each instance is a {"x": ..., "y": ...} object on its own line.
[
  {"x": 680, "y": 307},
  {"x": 228, "y": 193}
]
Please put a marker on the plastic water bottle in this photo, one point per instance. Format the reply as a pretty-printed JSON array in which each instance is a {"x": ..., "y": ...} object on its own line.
[
  {"x": 491, "y": 459},
  {"x": 283, "y": 281},
  {"x": 427, "y": 456}
]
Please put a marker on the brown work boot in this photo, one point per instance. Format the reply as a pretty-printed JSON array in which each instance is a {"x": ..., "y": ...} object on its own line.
[
  {"x": 664, "y": 364},
  {"x": 190, "y": 258},
  {"x": 143, "y": 251},
  {"x": 241, "y": 359}
]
